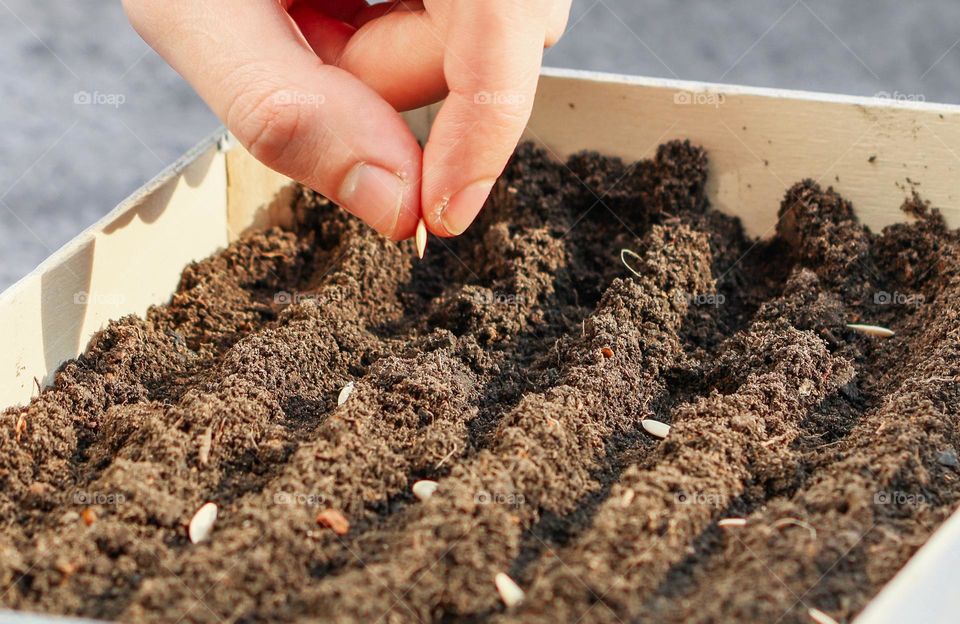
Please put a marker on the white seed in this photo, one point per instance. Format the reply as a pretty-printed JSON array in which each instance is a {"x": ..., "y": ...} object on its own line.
[
  {"x": 345, "y": 394},
  {"x": 510, "y": 592},
  {"x": 424, "y": 489},
  {"x": 656, "y": 428},
  {"x": 871, "y": 330},
  {"x": 732, "y": 522},
  {"x": 201, "y": 525},
  {"x": 820, "y": 617},
  {"x": 421, "y": 238}
]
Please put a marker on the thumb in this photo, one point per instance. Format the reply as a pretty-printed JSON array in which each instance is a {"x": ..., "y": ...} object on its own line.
[{"x": 313, "y": 122}]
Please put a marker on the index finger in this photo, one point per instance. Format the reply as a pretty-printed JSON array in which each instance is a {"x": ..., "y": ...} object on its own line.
[{"x": 492, "y": 64}]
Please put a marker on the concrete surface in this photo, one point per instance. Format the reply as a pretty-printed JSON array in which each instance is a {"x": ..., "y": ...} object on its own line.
[{"x": 88, "y": 113}]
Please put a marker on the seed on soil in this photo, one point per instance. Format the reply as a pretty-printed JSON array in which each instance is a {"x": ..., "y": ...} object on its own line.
[
  {"x": 201, "y": 525},
  {"x": 607, "y": 352},
  {"x": 334, "y": 520},
  {"x": 345, "y": 394},
  {"x": 421, "y": 238},
  {"x": 820, "y": 617},
  {"x": 655, "y": 428},
  {"x": 510, "y": 592},
  {"x": 88, "y": 516},
  {"x": 424, "y": 489},
  {"x": 732, "y": 522},
  {"x": 871, "y": 330}
]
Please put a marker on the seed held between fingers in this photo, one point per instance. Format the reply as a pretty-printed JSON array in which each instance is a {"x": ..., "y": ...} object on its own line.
[
  {"x": 509, "y": 591},
  {"x": 421, "y": 238},
  {"x": 655, "y": 428}
]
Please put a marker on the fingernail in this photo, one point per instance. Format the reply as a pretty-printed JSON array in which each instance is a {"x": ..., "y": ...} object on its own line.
[
  {"x": 374, "y": 195},
  {"x": 464, "y": 206}
]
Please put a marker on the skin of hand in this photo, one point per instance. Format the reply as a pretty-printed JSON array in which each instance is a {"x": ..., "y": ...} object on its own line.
[{"x": 312, "y": 88}]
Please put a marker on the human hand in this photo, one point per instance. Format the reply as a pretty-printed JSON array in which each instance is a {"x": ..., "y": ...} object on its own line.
[{"x": 312, "y": 87}]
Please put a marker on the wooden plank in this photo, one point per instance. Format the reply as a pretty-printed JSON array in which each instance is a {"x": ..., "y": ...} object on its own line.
[
  {"x": 257, "y": 197},
  {"x": 922, "y": 590},
  {"x": 761, "y": 141},
  {"x": 126, "y": 262}
]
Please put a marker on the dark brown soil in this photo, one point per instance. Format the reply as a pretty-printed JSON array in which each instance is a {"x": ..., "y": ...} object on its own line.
[{"x": 513, "y": 366}]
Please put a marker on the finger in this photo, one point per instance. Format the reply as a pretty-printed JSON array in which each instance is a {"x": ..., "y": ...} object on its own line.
[
  {"x": 313, "y": 122},
  {"x": 341, "y": 10},
  {"x": 399, "y": 54},
  {"x": 492, "y": 65},
  {"x": 559, "y": 15},
  {"x": 326, "y": 35},
  {"x": 379, "y": 10}
]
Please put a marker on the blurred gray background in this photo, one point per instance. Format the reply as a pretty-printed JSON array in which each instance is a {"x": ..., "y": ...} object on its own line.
[{"x": 64, "y": 162}]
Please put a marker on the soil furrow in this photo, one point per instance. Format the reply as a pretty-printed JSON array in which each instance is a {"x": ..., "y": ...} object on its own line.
[{"x": 542, "y": 456}]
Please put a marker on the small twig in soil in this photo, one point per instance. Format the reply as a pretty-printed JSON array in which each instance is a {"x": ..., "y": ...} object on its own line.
[
  {"x": 21, "y": 427},
  {"x": 206, "y": 442},
  {"x": 446, "y": 457},
  {"x": 785, "y": 522},
  {"x": 623, "y": 258}
]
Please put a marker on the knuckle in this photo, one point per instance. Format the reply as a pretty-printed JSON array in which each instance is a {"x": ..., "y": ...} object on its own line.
[{"x": 267, "y": 126}]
